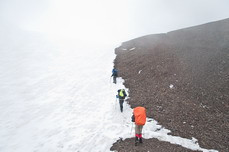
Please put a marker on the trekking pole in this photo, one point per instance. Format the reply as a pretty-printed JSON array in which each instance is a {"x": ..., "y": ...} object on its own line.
[
  {"x": 115, "y": 102},
  {"x": 131, "y": 128}
]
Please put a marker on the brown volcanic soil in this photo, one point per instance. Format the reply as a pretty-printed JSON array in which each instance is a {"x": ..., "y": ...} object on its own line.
[
  {"x": 196, "y": 61},
  {"x": 150, "y": 145}
]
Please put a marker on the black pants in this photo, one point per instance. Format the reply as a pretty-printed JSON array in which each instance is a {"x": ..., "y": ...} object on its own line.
[
  {"x": 114, "y": 79},
  {"x": 121, "y": 104}
]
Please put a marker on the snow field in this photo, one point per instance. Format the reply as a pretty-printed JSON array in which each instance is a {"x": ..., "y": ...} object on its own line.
[{"x": 62, "y": 99}]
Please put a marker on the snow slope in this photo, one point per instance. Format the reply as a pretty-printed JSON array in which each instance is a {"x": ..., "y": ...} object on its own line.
[{"x": 59, "y": 97}]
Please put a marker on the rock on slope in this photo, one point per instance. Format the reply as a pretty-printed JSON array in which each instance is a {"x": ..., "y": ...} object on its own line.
[{"x": 182, "y": 78}]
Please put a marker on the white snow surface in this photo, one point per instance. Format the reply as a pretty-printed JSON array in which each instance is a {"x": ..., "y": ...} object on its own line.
[
  {"x": 171, "y": 86},
  {"x": 60, "y": 98},
  {"x": 132, "y": 49}
]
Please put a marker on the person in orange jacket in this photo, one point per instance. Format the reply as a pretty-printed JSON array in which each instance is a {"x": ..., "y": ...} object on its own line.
[{"x": 139, "y": 117}]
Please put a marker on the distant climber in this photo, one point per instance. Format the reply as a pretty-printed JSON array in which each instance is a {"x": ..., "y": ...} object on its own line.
[
  {"x": 139, "y": 117},
  {"x": 114, "y": 75},
  {"x": 121, "y": 95}
]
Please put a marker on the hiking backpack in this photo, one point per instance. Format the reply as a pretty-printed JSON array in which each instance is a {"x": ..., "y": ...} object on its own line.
[
  {"x": 115, "y": 72},
  {"x": 140, "y": 115},
  {"x": 122, "y": 94}
]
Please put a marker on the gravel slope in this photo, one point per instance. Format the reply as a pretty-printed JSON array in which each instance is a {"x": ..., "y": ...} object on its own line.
[{"x": 182, "y": 78}]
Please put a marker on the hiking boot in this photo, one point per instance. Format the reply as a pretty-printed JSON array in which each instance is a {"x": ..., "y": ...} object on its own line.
[
  {"x": 136, "y": 141},
  {"x": 140, "y": 140}
]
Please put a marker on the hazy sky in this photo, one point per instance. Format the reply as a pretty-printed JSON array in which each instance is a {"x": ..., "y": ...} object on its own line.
[{"x": 107, "y": 20}]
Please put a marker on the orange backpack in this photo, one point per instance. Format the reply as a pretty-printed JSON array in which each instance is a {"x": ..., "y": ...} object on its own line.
[{"x": 140, "y": 115}]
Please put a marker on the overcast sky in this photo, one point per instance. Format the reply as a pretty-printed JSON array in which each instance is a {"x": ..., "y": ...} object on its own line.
[{"x": 108, "y": 20}]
